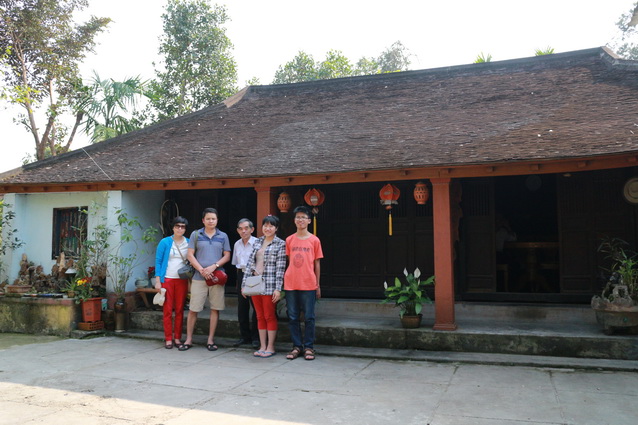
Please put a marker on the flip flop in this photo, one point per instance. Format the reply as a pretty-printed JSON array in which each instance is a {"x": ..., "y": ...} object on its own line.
[
  {"x": 212, "y": 347},
  {"x": 168, "y": 345},
  {"x": 184, "y": 347},
  {"x": 258, "y": 353},
  {"x": 266, "y": 354}
]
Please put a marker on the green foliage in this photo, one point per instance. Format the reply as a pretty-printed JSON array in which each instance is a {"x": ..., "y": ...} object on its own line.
[
  {"x": 101, "y": 258},
  {"x": 625, "y": 42},
  {"x": 548, "y": 51},
  {"x": 9, "y": 240},
  {"x": 394, "y": 59},
  {"x": 198, "y": 68},
  {"x": 410, "y": 295},
  {"x": 83, "y": 289},
  {"x": 120, "y": 267},
  {"x": 42, "y": 47},
  {"x": 336, "y": 65},
  {"x": 94, "y": 248},
  {"x": 303, "y": 67},
  {"x": 481, "y": 58},
  {"x": 622, "y": 279},
  {"x": 105, "y": 104}
]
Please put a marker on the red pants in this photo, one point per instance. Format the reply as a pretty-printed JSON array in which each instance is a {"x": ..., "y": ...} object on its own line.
[
  {"x": 175, "y": 298},
  {"x": 265, "y": 309}
]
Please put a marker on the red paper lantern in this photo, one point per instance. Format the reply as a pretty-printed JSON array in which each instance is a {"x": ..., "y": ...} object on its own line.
[
  {"x": 389, "y": 195},
  {"x": 314, "y": 198},
  {"x": 283, "y": 203},
  {"x": 421, "y": 193}
]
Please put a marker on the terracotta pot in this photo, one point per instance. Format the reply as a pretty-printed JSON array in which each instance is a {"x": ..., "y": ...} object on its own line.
[
  {"x": 91, "y": 310},
  {"x": 411, "y": 322}
]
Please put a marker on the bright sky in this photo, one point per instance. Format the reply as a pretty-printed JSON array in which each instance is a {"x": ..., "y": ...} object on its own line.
[{"x": 267, "y": 34}]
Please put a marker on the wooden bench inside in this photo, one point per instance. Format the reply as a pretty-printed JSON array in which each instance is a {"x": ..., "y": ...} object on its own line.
[{"x": 143, "y": 295}]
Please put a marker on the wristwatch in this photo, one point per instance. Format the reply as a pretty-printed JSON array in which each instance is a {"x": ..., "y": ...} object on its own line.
[{"x": 216, "y": 265}]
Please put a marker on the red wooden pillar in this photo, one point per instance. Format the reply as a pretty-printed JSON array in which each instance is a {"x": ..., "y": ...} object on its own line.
[
  {"x": 266, "y": 204},
  {"x": 443, "y": 256}
]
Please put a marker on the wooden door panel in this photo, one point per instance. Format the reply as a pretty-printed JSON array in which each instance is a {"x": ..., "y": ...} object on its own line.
[{"x": 478, "y": 235}]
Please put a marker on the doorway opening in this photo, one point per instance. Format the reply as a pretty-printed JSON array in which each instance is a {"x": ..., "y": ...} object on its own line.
[{"x": 526, "y": 234}]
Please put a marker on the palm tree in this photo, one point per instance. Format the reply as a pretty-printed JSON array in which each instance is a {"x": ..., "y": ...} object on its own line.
[{"x": 105, "y": 105}]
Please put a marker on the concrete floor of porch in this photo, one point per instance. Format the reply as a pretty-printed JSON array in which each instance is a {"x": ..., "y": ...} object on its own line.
[{"x": 500, "y": 333}]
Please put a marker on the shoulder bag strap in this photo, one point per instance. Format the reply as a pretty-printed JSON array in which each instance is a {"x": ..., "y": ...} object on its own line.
[{"x": 180, "y": 252}]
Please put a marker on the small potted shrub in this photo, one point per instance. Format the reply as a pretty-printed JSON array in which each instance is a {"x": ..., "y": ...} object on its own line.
[
  {"x": 409, "y": 296},
  {"x": 617, "y": 306}
]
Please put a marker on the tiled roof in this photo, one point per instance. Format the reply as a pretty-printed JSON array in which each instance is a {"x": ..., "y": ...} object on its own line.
[{"x": 561, "y": 106}]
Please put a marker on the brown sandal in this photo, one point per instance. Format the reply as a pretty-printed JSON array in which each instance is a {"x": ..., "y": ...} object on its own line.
[
  {"x": 309, "y": 354},
  {"x": 296, "y": 351}
]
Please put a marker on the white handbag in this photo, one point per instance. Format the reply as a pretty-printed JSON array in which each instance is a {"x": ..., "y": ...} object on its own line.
[{"x": 255, "y": 285}]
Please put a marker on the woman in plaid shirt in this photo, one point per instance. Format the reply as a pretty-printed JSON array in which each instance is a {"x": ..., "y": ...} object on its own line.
[{"x": 268, "y": 259}]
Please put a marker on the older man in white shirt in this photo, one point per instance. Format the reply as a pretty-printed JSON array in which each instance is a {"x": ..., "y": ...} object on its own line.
[{"x": 241, "y": 252}]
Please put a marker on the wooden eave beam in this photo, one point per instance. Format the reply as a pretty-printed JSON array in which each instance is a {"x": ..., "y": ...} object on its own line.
[{"x": 463, "y": 171}]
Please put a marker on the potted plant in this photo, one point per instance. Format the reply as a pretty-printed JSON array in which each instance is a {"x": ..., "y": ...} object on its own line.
[
  {"x": 120, "y": 265},
  {"x": 85, "y": 295},
  {"x": 70, "y": 289},
  {"x": 409, "y": 296},
  {"x": 617, "y": 306}
]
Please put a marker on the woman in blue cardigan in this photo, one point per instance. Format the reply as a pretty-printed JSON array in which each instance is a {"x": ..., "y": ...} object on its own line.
[{"x": 169, "y": 258}]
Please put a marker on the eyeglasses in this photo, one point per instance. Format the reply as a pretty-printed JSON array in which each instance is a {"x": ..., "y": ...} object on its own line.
[
  {"x": 180, "y": 226},
  {"x": 301, "y": 218}
]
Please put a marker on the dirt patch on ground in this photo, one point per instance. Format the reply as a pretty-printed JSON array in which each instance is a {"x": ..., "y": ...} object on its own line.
[{"x": 9, "y": 340}]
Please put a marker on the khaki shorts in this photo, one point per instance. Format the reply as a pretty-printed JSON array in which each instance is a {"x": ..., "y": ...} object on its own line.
[{"x": 199, "y": 292}]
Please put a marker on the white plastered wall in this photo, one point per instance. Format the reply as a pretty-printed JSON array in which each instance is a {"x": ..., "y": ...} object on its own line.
[{"x": 34, "y": 221}]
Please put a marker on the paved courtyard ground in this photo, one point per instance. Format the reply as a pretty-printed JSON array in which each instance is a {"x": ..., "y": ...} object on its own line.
[{"x": 113, "y": 380}]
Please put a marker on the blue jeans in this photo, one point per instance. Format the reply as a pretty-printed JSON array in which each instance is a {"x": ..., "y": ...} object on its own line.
[{"x": 296, "y": 302}]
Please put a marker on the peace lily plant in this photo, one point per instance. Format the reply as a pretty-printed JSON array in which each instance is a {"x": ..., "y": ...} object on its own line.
[{"x": 410, "y": 295}]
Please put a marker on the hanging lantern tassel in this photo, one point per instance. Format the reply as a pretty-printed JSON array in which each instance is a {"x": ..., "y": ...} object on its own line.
[
  {"x": 389, "y": 195},
  {"x": 314, "y": 198}
]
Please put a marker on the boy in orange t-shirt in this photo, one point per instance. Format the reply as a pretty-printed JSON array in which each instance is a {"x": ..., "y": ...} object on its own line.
[{"x": 301, "y": 283}]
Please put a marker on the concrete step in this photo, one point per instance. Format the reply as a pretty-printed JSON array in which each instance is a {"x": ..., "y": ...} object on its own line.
[{"x": 542, "y": 330}]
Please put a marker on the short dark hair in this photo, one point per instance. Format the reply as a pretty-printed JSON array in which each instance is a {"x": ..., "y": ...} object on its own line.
[
  {"x": 302, "y": 209},
  {"x": 209, "y": 211},
  {"x": 180, "y": 220},
  {"x": 271, "y": 219},
  {"x": 250, "y": 223}
]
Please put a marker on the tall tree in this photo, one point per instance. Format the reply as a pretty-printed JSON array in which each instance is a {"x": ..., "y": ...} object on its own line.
[
  {"x": 198, "y": 67},
  {"x": 42, "y": 48},
  {"x": 625, "y": 43},
  {"x": 394, "y": 58},
  {"x": 301, "y": 68},
  {"x": 336, "y": 65},
  {"x": 304, "y": 68},
  {"x": 106, "y": 105}
]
